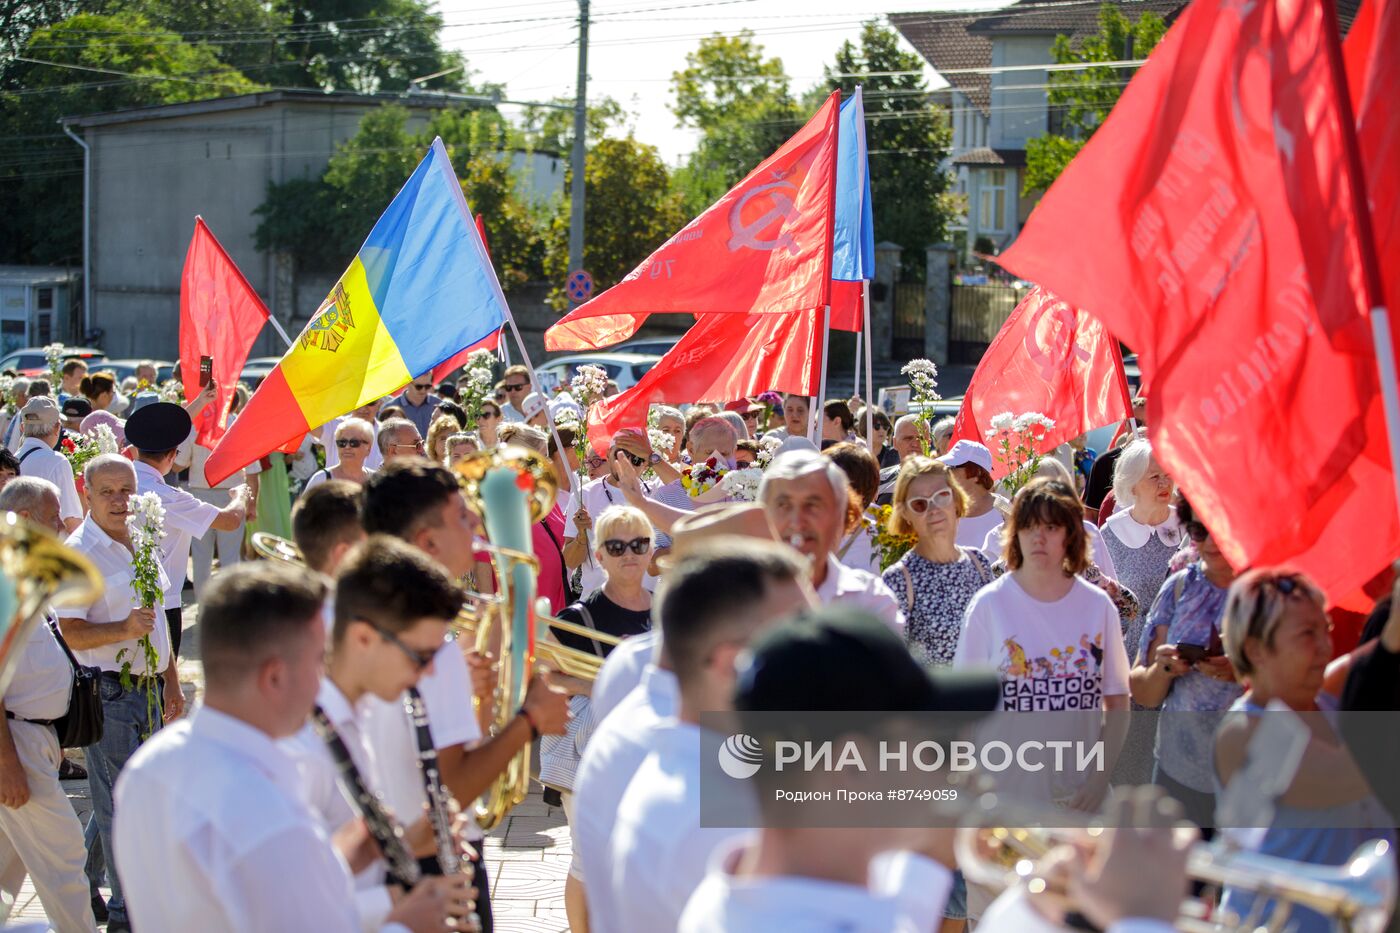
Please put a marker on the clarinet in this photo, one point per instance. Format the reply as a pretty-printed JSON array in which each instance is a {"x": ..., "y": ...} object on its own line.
[
  {"x": 440, "y": 802},
  {"x": 403, "y": 867}
]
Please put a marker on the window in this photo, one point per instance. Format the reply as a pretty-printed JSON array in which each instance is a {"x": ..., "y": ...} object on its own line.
[
  {"x": 993, "y": 200},
  {"x": 45, "y": 329},
  {"x": 45, "y": 299}
]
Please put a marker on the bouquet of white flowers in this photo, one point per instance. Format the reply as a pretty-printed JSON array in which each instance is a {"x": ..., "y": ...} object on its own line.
[
  {"x": 1018, "y": 438},
  {"x": 923, "y": 386},
  {"x": 53, "y": 357},
  {"x": 477, "y": 388},
  {"x": 145, "y": 523}
]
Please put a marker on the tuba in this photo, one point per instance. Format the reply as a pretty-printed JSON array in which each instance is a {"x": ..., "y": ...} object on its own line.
[
  {"x": 275, "y": 547},
  {"x": 38, "y": 571}
]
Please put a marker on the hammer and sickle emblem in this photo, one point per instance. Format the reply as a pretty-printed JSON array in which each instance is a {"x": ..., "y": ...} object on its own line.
[
  {"x": 1047, "y": 354},
  {"x": 747, "y": 235}
]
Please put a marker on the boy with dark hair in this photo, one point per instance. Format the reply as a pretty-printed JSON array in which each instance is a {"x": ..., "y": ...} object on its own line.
[{"x": 326, "y": 523}]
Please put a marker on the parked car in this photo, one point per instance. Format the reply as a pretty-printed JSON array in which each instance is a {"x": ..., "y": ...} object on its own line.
[
  {"x": 660, "y": 346},
  {"x": 31, "y": 361},
  {"x": 623, "y": 368},
  {"x": 256, "y": 370},
  {"x": 124, "y": 368}
]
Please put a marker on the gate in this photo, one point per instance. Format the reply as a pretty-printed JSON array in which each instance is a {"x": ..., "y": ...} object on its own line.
[
  {"x": 978, "y": 311},
  {"x": 909, "y": 298}
]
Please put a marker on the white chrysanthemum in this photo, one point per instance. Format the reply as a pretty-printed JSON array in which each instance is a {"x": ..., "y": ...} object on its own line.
[
  {"x": 589, "y": 384},
  {"x": 661, "y": 442},
  {"x": 105, "y": 438},
  {"x": 482, "y": 359},
  {"x": 1003, "y": 422},
  {"x": 146, "y": 516},
  {"x": 1032, "y": 419},
  {"x": 566, "y": 417},
  {"x": 742, "y": 484},
  {"x": 53, "y": 353},
  {"x": 479, "y": 376},
  {"x": 172, "y": 391}
]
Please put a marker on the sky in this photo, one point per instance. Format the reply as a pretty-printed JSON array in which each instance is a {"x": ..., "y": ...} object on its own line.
[{"x": 636, "y": 45}]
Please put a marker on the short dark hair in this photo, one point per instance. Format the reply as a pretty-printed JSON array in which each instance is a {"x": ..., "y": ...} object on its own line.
[
  {"x": 392, "y": 585},
  {"x": 746, "y": 444},
  {"x": 72, "y": 365},
  {"x": 325, "y": 516},
  {"x": 38, "y": 387},
  {"x": 517, "y": 370},
  {"x": 390, "y": 412},
  {"x": 407, "y": 495},
  {"x": 8, "y": 461},
  {"x": 835, "y": 408},
  {"x": 1048, "y": 502},
  {"x": 860, "y": 468},
  {"x": 566, "y": 436},
  {"x": 703, "y": 595},
  {"x": 975, "y": 473},
  {"x": 249, "y": 613},
  {"x": 457, "y": 412}
]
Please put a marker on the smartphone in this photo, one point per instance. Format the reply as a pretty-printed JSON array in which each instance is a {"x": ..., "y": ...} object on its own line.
[
  {"x": 206, "y": 370},
  {"x": 1191, "y": 654}
]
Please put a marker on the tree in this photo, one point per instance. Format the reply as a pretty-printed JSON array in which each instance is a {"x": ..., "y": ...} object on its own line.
[
  {"x": 1083, "y": 98},
  {"x": 741, "y": 104},
  {"x": 549, "y": 129},
  {"x": 246, "y": 34},
  {"x": 631, "y": 211},
  {"x": 908, "y": 138},
  {"x": 92, "y": 63}
]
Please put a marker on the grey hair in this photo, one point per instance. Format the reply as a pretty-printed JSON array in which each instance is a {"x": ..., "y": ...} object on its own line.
[
  {"x": 943, "y": 428},
  {"x": 730, "y": 419},
  {"x": 388, "y": 429},
  {"x": 20, "y": 387},
  {"x": 25, "y": 493},
  {"x": 524, "y": 435},
  {"x": 915, "y": 420},
  {"x": 360, "y": 423},
  {"x": 796, "y": 464},
  {"x": 1130, "y": 469},
  {"x": 104, "y": 462},
  {"x": 36, "y": 428},
  {"x": 666, "y": 411},
  {"x": 1052, "y": 468}
]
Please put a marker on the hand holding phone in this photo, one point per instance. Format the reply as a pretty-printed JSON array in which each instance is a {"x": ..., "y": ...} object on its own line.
[
  {"x": 206, "y": 370},
  {"x": 1191, "y": 654}
]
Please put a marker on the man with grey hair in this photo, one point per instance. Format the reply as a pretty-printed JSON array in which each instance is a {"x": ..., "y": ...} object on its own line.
[
  {"x": 910, "y": 432},
  {"x": 399, "y": 439},
  {"x": 19, "y": 394},
  {"x": 41, "y": 424},
  {"x": 39, "y": 832},
  {"x": 106, "y": 634},
  {"x": 807, "y": 499}
]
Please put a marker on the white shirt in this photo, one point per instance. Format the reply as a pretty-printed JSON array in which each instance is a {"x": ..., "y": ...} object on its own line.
[
  {"x": 906, "y": 893},
  {"x": 660, "y": 852},
  {"x": 597, "y": 495},
  {"x": 375, "y": 459},
  {"x": 214, "y": 837},
  {"x": 388, "y": 728},
  {"x": 622, "y": 672},
  {"x": 43, "y": 677},
  {"x": 981, "y": 532},
  {"x": 1012, "y": 910},
  {"x": 612, "y": 757},
  {"x": 862, "y": 590},
  {"x": 113, "y": 562},
  {"x": 1135, "y": 534},
  {"x": 860, "y": 555},
  {"x": 1098, "y": 553},
  {"x": 186, "y": 518},
  {"x": 47, "y": 463}
]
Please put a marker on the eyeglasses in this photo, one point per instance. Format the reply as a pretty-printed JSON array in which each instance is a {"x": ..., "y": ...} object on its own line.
[
  {"x": 426, "y": 388},
  {"x": 940, "y": 500},
  {"x": 416, "y": 445},
  {"x": 1196, "y": 531},
  {"x": 750, "y": 416},
  {"x": 345, "y": 442},
  {"x": 420, "y": 659},
  {"x": 615, "y": 547},
  {"x": 594, "y": 462},
  {"x": 515, "y": 386}
]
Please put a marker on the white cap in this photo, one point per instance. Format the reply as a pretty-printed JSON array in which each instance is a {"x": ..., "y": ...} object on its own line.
[
  {"x": 965, "y": 452},
  {"x": 534, "y": 404}
]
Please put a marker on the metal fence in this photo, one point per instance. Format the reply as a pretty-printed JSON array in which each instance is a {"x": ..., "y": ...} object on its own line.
[
  {"x": 978, "y": 311},
  {"x": 909, "y": 300}
]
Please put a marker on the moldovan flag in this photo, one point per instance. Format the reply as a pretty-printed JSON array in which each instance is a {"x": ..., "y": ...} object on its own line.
[
  {"x": 853, "y": 238},
  {"x": 1048, "y": 358},
  {"x": 220, "y": 317},
  {"x": 420, "y": 289},
  {"x": 490, "y": 342},
  {"x": 763, "y": 248},
  {"x": 1186, "y": 225},
  {"x": 724, "y": 356}
]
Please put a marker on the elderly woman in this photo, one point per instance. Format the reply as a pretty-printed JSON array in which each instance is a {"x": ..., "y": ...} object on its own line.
[
  {"x": 941, "y": 438},
  {"x": 353, "y": 441},
  {"x": 670, "y": 421},
  {"x": 1278, "y": 638},
  {"x": 1182, "y": 668},
  {"x": 936, "y": 579},
  {"x": 1144, "y": 534}
]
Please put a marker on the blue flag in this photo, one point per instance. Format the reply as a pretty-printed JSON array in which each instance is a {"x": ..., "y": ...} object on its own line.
[{"x": 853, "y": 242}]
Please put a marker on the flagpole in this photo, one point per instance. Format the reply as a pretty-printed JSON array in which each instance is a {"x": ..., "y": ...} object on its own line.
[
  {"x": 819, "y": 413},
  {"x": 1366, "y": 244},
  {"x": 549, "y": 415},
  {"x": 278, "y": 327},
  {"x": 869, "y": 371},
  {"x": 855, "y": 379}
]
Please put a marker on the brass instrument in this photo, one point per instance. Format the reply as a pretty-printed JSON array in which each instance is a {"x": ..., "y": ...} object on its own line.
[
  {"x": 275, "y": 547},
  {"x": 39, "y": 570},
  {"x": 1359, "y": 896}
]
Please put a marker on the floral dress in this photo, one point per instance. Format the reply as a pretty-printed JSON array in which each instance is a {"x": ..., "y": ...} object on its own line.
[{"x": 934, "y": 598}]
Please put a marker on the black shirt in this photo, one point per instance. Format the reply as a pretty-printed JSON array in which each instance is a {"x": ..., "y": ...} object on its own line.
[
  {"x": 607, "y": 617},
  {"x": 1101, "y": 478}
]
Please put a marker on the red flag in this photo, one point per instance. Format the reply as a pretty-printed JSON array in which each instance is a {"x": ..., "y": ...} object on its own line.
[
  {"x": 847, "y": 302},
  {"x": 763, "y": 248},
  {"x": 1186, "y": 225},
  {"x": 724, "y": 356},
  {"x": 1373, "y": 73},
  {"x": 444, "y": 369},
  {"x": 220, "y": 317},
  {"x": 1049, "y": 358}
]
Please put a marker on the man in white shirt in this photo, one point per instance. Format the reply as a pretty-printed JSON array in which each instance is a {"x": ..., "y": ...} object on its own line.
[
  {"x": 713, "y": 602},
  {"x": 39, "y": 832},
  {"x": 105, "y": 634},
  {"x": 421, "y": 503},
  {"x": 39, "y": 421},
  {"x": 210, "y": 826},
  {"x": 518, "y": 384},
  {"x": 807, "y": 498},
  {"x": 597, "y": 495},
  {"x": 157, "y": 431}
]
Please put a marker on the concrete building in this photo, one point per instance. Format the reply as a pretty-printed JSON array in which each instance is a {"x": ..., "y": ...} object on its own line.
[
  {"x": 153, "y": 169},
  {"x": 38, "y": 305}
]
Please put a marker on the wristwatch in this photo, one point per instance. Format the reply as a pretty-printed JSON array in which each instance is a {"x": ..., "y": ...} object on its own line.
[{"x": 654, "y": 459}]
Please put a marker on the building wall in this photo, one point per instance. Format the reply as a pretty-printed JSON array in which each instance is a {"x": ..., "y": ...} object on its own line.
[{"x": 1018, "y": 97}]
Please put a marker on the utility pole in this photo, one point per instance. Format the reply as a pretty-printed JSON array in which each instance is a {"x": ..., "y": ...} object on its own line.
[{"x": 580, "y": 129}]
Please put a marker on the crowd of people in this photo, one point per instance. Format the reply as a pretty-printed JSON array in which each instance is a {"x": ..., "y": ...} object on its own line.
[{"x": 302, "y": 791}]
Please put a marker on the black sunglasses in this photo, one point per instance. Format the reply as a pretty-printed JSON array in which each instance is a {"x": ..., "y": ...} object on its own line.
[
  {"x": 426, "y": 388},
  {"x": 345, "y": 442},
  {"x": 488, "y": 415},
  {"x": 636, "y": 462},
  {"x": 515, "y": 386},
  {"x": 638, "y": 545},
  {"x": 420, "y": 659},
  {"x": 1196, "y": 531}
]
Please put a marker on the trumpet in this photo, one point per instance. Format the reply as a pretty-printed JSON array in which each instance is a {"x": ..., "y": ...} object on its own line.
[{"x": 1359, "y": 896}]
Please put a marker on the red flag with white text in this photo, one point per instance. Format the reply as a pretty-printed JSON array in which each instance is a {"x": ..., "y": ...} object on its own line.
[
  {"x": 1198, "y": 224},
  {"x": 763, "y": 248},
  {"x": 1049, "y": 358},
  {"x": 220, "y": 317}
]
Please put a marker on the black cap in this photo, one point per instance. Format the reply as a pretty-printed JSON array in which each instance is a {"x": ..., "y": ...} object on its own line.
[
  {"x": 837, "y": 659},
  {"x": 161, "y": 426},
  {"x": 77, "y": 407}
]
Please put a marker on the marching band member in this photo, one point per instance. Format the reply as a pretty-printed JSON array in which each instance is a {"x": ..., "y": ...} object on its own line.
[
  {"x": 212, "y": 829},
  {"x": 326, "y": 524}
]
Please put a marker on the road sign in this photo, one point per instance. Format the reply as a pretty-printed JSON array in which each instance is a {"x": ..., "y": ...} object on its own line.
[{"x": 579, "y": 286}]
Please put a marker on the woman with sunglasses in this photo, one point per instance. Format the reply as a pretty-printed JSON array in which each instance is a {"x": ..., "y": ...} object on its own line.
[
  {"x": 487, "y": 422},
  {"x": 1182, "y": 667},
  {"x": 354, "y": 439},
  {"x": 936, "y": 579},
  {"x": 1279, "y": 640}
]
